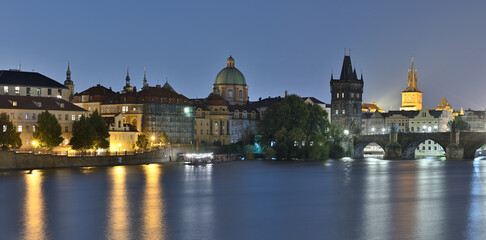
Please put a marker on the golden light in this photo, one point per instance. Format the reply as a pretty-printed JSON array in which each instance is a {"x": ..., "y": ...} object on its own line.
[
  {"x": 152, "y": 138},
  {"x": 119, "y": 144},
  {"x": 34, "y": 143}
]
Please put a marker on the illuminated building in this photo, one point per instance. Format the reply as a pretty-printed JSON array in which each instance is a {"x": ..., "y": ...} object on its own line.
[
  {"x": 476, "y": 120},
  {"x": 346, "y": 98},
  {"x": 411, "y": 97},
  {"x": 23, "y": 111},
  {"x": 231, "y": 84}
]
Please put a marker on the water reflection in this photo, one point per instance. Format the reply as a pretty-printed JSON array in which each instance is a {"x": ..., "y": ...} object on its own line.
[
  {"x": 376, "y": 218},
  {"x": 430, "y": 199},
  {"x": 118, "y": 227},
  {"x": 475, "y": 221},
  {"x": 34, "y": 208},
  {"x": 153, "y": 207}
]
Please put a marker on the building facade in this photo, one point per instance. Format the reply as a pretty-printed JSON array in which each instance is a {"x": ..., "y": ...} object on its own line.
[{"x": 24, "y": 111}]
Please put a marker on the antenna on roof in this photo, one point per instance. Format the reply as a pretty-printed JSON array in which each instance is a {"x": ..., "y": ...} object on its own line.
[{"x": 349, "y": 52}]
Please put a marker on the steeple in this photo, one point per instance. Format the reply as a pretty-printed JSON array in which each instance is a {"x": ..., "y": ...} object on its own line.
[
  {"x": 145, "y": 83},
  {"x": 167, "y": 85},
  {"x": 68, "y": 82},
  {"x": 127, "y": 87},
  {"x": 412, "y": 79}
]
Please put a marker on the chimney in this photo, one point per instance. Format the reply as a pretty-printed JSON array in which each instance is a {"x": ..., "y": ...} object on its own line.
[{"x": 286, "y": 93}]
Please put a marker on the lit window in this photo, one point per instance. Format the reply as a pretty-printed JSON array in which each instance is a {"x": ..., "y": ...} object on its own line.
[
  {"x": 4, "y": 128},
  {"x": 39, "y": 92},
  {"x": 17, "y": 90},
  {"x": 73, "y": 117},
  {"x": 5, "y": 89},
  {"x": 27, "y": 116},
  {"x": 19, "y": 128},
  {"x": 14, "y": 103},
  {"x": 124, "y": 108}
]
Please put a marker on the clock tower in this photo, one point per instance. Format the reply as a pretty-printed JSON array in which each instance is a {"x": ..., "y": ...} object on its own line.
[{"x": 411, "y": 97}]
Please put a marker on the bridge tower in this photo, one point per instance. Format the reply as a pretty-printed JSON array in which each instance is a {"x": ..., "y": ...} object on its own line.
[{"x": 346, "y": 98}]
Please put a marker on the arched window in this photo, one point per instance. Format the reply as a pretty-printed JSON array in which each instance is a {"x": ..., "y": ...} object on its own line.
[
  {"x": 230, "y": 93},
  {"x": 236, "y": 114},
  {"x": 244, "y": 114},
  {"x": 241, "y": 93}
]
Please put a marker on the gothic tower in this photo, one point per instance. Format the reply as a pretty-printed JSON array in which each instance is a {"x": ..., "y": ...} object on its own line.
[
  {"x": 411, "y": 97},
  {"x": 145, "y": 83},
  {"x": 346, "y": 98},
  {"x": 69, "y": 83}
]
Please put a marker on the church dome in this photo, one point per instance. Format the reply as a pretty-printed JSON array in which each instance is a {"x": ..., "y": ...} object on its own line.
[{"x": 230, "y": 75}]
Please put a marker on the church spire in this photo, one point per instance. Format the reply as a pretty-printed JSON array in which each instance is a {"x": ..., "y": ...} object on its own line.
[
  {"x": 68, "y": 82},
  {"x": 230, "y": 62},
  {"x": 145, "y": 83},
  {"x": 127, "y": 87}
]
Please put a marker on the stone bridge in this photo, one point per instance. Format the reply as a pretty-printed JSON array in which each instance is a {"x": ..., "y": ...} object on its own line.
[{"x": 470, "y": 141}]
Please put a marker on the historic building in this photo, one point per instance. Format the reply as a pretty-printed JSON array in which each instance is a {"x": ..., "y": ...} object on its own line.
[
  {"x": 24, "y": 110},
  {"x": 231, "y": 84},
  {"x": 20, "y": 83},
  {"x": 226, "y": 115},
  {"x": 475, "y": 119},
  {"x": 346, "y": 98},
  {"x": 152, "y": 110},
  {"x": 411, "y": 97},
  {"x": 69, "y": 83}
]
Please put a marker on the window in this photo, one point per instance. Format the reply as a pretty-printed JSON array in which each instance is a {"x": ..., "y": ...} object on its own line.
[
  {"x": 61, "y": 105},
  {"x": 435, "y": 148},
  {"x": 20, "y": 116},
  {"x": 27, "y": 91},
  {"x": 5, "y": 89},
  {"x": 73, "y": 117},
  {"x": 337, "y": 95},
  {"x": 337, "y": 112},
  {"x": 357, "y": 95},
  {"x": 230, "y": 93},
  {"x": 59, "y": 92},
  {"x": 124, "y": 108},
  {"x": 14, "y": 103},
  {"x": 412, "y": 129},
  {"x": 17, "y": 90},
  {"x": 33, "y": 128},
  {"x": 27, "y": 116},
  {"x": 49, "y": 91},
  {"x": 244, "y": 114},
  {"x": 59, "y": 117},
  {"x": 201, "y": 131},
  {"x": 66, "y": 117},
  {"x": 4, "y": 128},
  {"x": 342, "y": 95},
  {"x": 429, "y": 148},
  {"x": 19, "y": 128},
  {"x": 66, "y": 129},
  {"x": 241, "y": 94},
  {"x": 39, "y": 92},
  {"x": 33, "y": 116},
  {"x": 344, "y": 111},
  {"x": 352, "y": 95}
]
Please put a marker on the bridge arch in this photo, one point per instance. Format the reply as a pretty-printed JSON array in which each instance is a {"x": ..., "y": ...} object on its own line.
[
  {"x": 409, "y": 151},
  {"x": 359, "y": 148}
]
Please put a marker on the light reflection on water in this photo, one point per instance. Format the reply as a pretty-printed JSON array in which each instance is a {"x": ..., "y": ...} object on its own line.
[
  {"x": 118, "y": 222},
  {"x": 34, "y": 213},
  {"x": 153, "y": 206},
  {"x": 348, "y": 199}
]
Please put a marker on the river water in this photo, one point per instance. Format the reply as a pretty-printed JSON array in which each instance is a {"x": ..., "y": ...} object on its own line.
[{"x": 347, "y": 199}]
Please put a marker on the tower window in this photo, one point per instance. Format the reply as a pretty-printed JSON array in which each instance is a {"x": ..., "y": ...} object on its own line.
[
  {"x": 230, "y": 93},
  {"x": 241, "y": 94},
  {"x": 342, "y": 95}
]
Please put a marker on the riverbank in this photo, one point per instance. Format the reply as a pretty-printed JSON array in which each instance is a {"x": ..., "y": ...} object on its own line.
[{"x": 24, "y": 161}]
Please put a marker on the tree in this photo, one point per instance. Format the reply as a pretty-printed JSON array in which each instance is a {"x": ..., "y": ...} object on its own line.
[
  {"x": 48, "y": 131},
  {"x": 458, "y": 124},
  {"x": 100, "y": 131},
  {"x": 142, "y": 141},
  {"x": 83, "y": 135},
  {"x": 295, "y": 129},
  {"x": 8, "y": 136},
  {"x": 163, "y": 137}
]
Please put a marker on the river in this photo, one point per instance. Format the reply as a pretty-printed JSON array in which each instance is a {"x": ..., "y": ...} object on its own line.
[{"x": 347, "y": 199}]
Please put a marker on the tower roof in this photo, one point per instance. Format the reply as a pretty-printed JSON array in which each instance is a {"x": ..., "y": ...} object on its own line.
[
  {"x": 347, "y": 71},
  {"x": 444, "y": 104},
  {"x": 412, "y": 80}
]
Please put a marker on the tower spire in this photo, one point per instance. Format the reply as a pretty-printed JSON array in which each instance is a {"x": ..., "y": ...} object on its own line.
[
  {"x": 145, "y": 83},
  {"x": 68, "y": 82},
  {"x": 127, "y": 87}
]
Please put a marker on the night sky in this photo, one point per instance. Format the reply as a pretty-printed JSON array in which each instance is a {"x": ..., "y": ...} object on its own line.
[{"x": 278, "y": 45}]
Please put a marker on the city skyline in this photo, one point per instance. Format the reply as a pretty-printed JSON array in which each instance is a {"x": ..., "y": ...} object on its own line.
[{"x": 278, "y": 47}]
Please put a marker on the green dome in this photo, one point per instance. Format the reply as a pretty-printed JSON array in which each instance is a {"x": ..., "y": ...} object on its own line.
[{"x": 230, "y": 75}]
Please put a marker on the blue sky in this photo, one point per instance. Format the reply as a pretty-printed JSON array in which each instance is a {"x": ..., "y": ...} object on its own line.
[{"x": 278, "y": 45}]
